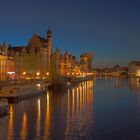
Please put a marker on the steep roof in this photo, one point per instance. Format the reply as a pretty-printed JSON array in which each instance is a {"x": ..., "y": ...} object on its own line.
[
  {"x": 18, "y": 49},
  {"x": 136, "y": 63},
  {"x": 40, "y": 38}
]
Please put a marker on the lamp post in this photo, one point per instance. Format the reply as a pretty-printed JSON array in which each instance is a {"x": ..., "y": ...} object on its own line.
[
  {"x": 38, "y": 73},
  {"x": 24, "y": 73}
]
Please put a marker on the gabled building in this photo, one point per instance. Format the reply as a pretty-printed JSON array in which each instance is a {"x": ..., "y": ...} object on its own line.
[
  {"x": 7, "y": 63},
  {"x": 118, "y": 70},
  {"x": 33, "y": 60},
  {"x": 86, "y": 62},
  {"x": 134, "y": 69},
  {"x": 66, "y": 64}
]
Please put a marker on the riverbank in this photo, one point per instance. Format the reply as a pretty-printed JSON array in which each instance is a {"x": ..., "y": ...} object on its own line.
[
  {"x": 17, "y": 93},
  {"x": 68, "y": 82}
]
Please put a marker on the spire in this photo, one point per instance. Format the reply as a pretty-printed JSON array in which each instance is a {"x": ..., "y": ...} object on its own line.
[
  {"x": 66, "y": 52},
  {"x": 57, "y": 49},
  {"x": 5, "y": 48},
  {"x": 49, "y": 29},
  {"x": 49, "y": 33}
]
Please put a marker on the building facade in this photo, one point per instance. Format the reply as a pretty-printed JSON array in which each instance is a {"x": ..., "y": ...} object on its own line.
[
  {"x": 66, "y": 64},
  {"x": 86, "y": 62},
  {"x": 33, "y": 60},
  {"x": 134, "y": 69},
  {"x": 118, "y": 70},
  {"x": 36, "y": 60},
  {"x": 7, "y": 63}
]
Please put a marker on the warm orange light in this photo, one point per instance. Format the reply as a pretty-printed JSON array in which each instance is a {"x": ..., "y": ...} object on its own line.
[
  {"x": 47, "y": 73},
  {"x": 37, "y": 73},
  {"x": 38, "y": 85},
  {"x": 68, "y": 73},
  {"x": 24, "y": 73},
  {"x": 138, "y": 73}
]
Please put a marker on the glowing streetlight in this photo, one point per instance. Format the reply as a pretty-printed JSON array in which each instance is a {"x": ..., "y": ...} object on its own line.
[
  {"x": 24, "y": 73},
  {"x": 47, "y": 73},
  {"x": 38, "y": 73},
  {"x": 38, "y": 85}
]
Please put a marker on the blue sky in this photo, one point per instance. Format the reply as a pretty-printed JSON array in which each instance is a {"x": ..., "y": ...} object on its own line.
[{"x": 110, "y": 29}]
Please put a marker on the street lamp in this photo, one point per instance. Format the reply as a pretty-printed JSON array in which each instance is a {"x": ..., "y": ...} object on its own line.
[
  {"x": 47, "y": 73},
  {"x": 38, "y": 73},
  {"x": 24, "y": 73}
]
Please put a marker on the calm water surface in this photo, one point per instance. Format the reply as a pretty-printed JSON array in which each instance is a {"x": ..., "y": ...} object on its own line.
[{"x": 103, "y": 109}]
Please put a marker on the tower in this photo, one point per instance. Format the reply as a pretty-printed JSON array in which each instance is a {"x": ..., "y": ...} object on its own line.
[
  {"x": 57, "y": 53},
  {"x": 49, "y": 41},
  {"x": 49, "y": 38},
  {"x": 5, "y": 48}
]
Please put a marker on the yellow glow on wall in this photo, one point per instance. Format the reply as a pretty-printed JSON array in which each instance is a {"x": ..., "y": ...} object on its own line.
[{"x": 138, "y": 73}]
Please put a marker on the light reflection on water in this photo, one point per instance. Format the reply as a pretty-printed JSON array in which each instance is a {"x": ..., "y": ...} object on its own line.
[
  {"x": 103, "y": 109},
  {"x": 24, "y": 127}
]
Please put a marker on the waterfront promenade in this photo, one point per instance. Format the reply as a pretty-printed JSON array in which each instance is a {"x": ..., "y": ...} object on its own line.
[{"x": 22, "y": 90}]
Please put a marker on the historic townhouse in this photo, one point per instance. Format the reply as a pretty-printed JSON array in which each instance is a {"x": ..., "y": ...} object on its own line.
[{"x": 33, "y": 60}]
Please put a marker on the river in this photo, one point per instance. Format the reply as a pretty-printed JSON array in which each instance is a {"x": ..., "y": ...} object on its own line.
[{"x": 102, "y": 109}]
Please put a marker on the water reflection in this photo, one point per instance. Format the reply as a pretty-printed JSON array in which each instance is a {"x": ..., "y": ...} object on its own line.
[
  {"x": 10, "y": 126},
  {"x": 120, "y": 82},
  {"x": 108, "y": 110},
  {"x": 79, "y": 120},
  {"x": 24, "y": 127},
  {"x": 56, "y": 115},
  {"x": 134, "y": 84},
  {"x": 38, "y": 117},
  {"x": 47, "y": 118}
]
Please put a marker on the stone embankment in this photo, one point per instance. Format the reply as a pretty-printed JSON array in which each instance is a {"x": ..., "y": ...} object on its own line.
[{"x": 17, "y": 93}]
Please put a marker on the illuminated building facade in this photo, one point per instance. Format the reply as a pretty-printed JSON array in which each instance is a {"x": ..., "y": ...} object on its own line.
[
  {"x": 3, "y": 68},
  {"x": 118, "y": 70},
  {"x": 86, "y": 62},
  {"x": 7, "y": 63},
  {"x": 36, "y": 60},
  {"x": 66, "y": 64},
  {"x": 134, "y": 69},
  {"x": 33, "y": 60}
]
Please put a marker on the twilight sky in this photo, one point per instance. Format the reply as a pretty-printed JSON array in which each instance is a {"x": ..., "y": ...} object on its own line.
[{"x": 108, "y": 28}]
